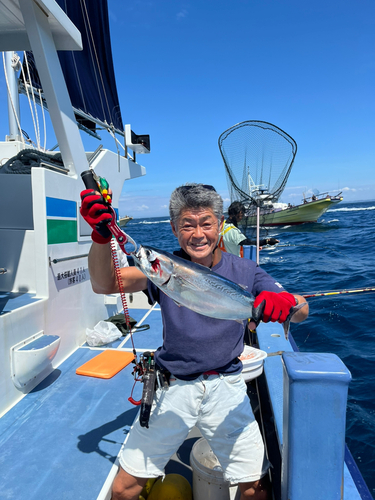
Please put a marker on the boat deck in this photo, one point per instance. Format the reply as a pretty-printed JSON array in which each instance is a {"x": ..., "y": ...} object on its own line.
[{"x": 87, "y": 420}]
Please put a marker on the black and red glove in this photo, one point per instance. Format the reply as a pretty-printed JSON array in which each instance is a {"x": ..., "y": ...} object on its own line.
[
  {"x": 95, "y": 211},
  {"x": 276, "y": 306}
]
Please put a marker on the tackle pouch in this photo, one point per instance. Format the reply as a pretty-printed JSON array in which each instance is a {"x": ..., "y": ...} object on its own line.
[{"x": 119, "y": 321}]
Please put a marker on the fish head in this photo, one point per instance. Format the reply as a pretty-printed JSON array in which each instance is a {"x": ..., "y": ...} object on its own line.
[{"x": 156, "y": 266}]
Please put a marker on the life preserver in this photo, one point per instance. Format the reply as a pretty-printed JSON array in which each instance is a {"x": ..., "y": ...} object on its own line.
[{"x": 221, "y": 240}]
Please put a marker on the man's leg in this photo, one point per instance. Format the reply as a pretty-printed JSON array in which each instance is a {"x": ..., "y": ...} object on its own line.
[
  {"x": 127, "y": 487},
  {"x": 256, "y": 490}
]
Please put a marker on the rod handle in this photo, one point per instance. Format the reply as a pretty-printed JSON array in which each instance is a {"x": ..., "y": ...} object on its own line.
[{"x": 89, "y": 181}]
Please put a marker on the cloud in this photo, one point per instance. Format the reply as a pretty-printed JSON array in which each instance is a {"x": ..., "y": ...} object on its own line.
[
  {"x": 349, "y": 189},
  {"x": 143, "y": 205},
  {"x": 183, "y": 13}
]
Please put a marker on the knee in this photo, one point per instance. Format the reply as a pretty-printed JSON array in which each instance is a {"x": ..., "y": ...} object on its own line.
[
  {"x": 121, "y": 491},
  {"x": 257, "y": 490},
  {"x": 118, "y": 491}
]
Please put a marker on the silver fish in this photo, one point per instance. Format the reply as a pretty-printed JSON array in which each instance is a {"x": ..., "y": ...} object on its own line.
[{"x": 200, "y": 289}]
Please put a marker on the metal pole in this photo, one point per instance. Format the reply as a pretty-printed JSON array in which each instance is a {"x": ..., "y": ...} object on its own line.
[
  {"x": 258, "y": 216},
  {"x": 13, "y": 98}
]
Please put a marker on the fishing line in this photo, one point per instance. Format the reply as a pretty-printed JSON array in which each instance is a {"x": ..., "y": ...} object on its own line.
[{"x": 316, "y": 246}]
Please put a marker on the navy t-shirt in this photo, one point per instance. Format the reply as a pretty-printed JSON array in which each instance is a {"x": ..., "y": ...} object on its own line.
[{"x": 193, "y": 343}]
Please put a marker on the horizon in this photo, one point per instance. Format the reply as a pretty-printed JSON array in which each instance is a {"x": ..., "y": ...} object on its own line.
[{"x": 337, "y": 207}]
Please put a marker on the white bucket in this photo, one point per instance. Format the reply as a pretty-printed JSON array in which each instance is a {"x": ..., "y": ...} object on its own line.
[
  {"x": 252, "y": 360},
  {"x": 208, "y": 479}
]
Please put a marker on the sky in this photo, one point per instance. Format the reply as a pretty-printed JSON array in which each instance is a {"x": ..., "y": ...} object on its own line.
[{"x": 187, "y": 71}]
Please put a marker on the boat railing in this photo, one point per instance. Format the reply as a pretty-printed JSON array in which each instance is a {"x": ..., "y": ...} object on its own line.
[
  {"x": 307, "y": 393},
  {"x": 320, "y": 196},
  {"x": 63, "y": 259}
]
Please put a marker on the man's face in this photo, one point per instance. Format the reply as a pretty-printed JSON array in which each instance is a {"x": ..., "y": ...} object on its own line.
[{"x": 198, "y": 232}]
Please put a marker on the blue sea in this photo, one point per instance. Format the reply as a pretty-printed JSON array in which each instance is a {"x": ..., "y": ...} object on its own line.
[{"x": 335, "y": 253}]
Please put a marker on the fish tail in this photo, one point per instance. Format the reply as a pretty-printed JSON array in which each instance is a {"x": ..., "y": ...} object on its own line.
[{"x": 292, "y": 312}]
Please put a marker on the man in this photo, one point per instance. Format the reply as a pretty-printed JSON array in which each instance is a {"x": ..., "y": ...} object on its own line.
[
  {"x": 231, "y": 238},
  {"x": 200, "y": 353}
]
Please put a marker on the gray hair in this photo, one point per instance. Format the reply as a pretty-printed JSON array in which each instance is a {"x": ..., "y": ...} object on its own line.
[{"x": 194, "y": 196}]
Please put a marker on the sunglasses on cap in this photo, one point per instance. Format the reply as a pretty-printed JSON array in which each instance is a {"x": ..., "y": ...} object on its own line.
[{"x": 205, "y": 186}]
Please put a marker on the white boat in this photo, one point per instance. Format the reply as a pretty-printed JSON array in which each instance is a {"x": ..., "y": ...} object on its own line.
[
  {"x": 283, "y": 214},
  {"x": 61, "y": 432},
  {"x": 124, "y": 220}
]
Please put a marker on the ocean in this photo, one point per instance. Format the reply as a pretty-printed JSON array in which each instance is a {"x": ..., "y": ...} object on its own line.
[{"x": 332, "y": 254}]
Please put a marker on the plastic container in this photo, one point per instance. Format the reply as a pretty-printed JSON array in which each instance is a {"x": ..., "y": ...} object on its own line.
[
  {"x": 208, "y": 479},
  {"x": 252, "y": 360}
]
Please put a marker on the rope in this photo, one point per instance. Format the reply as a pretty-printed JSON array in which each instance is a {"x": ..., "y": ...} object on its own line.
[
  {"x": 79, "y": 82},
  {"x": 90, "y": 36},
  {"x": 29, "y": 100},
  {"x": 44, "y": 119},
  {"x": 122, "y": 292}
]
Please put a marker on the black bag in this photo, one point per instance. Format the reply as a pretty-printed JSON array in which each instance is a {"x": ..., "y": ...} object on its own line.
[{"x": 119, "y": 321}]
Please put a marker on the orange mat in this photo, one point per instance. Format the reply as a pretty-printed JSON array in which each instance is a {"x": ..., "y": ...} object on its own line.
[{"x": 106, "y": 364}]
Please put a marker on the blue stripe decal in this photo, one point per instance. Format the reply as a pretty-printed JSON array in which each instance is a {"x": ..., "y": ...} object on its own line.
[{"x": 61, "y": 208}]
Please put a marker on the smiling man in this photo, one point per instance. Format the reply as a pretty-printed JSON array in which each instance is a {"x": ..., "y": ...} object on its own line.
[{"x": 199, "y": 354}]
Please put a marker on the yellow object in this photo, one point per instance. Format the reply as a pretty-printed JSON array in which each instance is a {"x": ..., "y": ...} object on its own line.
[
  {"x": 147, "y": 488},
  {"x": 172, "y": 487}
]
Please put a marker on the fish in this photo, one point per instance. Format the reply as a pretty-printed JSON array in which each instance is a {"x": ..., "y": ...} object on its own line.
[{"x": 199, "y": 288}]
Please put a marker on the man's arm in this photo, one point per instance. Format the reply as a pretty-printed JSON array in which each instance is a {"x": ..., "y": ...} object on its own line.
[
  {"x": 263, "y": 242},
  {"x": 103, "y": 276},
  {"x": 302, "y": 314}
]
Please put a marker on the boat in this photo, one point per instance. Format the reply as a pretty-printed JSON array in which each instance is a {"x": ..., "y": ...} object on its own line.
[
  {"x": 124, "y": 220},
  {"x": 282, "y": 214},
  {"x": 63, "y": 421}
]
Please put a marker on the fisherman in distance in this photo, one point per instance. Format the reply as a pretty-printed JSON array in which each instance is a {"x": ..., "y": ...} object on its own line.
[
  {"x": 200, "y": 353},
  {"x": 231, "y": 238}
]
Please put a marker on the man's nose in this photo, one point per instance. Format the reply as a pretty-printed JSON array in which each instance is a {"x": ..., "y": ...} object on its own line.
[{"x": 198, "y": 232}]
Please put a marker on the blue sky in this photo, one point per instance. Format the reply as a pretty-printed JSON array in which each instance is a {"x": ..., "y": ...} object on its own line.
[{"x": 187, "y": 71}]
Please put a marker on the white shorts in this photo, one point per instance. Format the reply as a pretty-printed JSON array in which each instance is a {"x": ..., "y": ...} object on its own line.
[{"x": 219, "y": 406}]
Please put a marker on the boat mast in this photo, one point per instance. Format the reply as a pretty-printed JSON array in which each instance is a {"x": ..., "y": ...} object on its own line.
[{"x": 13, "y": 98}]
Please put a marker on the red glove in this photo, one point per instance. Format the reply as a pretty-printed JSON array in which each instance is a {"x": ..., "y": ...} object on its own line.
[
  {"x": 96, "y": 213},
  {"x": 277, "y": 306}
]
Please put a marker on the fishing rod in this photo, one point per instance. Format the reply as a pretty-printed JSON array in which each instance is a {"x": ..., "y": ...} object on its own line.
[{"x": 338, "y": 292}]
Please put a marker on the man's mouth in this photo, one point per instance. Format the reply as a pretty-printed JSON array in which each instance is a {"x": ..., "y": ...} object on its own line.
[{"x": 198, "y": 245}]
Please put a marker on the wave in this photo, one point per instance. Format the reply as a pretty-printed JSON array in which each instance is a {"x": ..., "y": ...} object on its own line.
[
  {"x": 333, "y": 220},
  {"x": 152, "y": 222},
  {"x": 347, "y": 209}
]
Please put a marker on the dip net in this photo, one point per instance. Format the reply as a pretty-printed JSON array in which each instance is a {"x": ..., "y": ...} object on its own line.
[{"x": 258, "y": 158}]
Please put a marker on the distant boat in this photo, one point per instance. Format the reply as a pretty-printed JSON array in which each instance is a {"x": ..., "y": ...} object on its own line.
[
  {"x": 283, "y": 214},
  {"x": 124, "y": 220}
]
